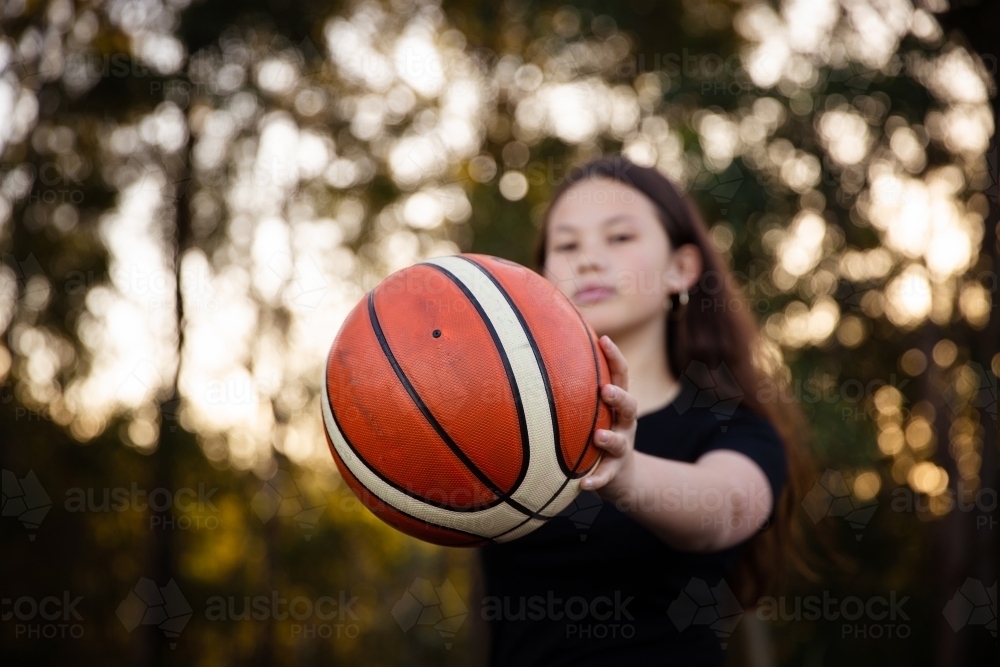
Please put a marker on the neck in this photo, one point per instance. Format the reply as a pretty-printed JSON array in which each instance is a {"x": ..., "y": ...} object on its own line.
[{"x": 649, "y": 377}]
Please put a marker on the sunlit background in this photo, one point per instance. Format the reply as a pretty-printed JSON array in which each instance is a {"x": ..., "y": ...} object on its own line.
[{"x": 194, "y": 195}]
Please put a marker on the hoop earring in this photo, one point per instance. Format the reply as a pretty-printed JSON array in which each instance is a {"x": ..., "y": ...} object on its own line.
[{"x": 684, "y": 298}]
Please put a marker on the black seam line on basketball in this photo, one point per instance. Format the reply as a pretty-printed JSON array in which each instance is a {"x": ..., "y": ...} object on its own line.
[
  {"x": 403, "y": 490},
  {"x": 511, "y": 379},
  {"x": 546, "y": 504},
  {"x": 597, "y": 407},
  {"x": 456, "y": 450},
  {"x": 542, "y": 508},
  {"x": 538, "y": 362},
  {"x": 399, "y": 487},
  {"x": 343, "y": 434},
  {"x": 416, "y": 518},
  {"x": 404, "y": 513},
  {"x": 555, "y": 495},
  {"x": 570, "y": 474},
  {"x": 511, "y": 530},
  {"x": 543, "y": 518}
]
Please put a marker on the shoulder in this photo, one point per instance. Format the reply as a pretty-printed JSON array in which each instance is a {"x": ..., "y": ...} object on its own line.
[
  {"x": 744, "y": 428},
  {"x": 755, "y": 436},
  {"x": 744, "y": 422},
  {"x": 715, "y": 421}
]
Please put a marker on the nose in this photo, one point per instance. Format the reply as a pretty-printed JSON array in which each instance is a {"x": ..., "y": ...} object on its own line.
[{"x": 592, "y": 258}]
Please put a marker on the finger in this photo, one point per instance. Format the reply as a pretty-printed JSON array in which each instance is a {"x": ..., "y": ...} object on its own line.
[
  {"x": 615, "y": 444},
  {"x": 603, "y": 474},
  {"x": 616, "y": 363},
  {"x": 625, "y": 404}
]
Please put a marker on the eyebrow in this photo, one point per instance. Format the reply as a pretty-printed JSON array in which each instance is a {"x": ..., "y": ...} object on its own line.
[{"x": 607, "y": 222}]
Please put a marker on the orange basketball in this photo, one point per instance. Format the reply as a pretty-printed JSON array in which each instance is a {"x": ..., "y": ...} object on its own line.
[{"x": 460, "y": 400}]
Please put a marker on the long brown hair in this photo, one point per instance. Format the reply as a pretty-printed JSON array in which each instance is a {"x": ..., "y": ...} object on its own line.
[{"x": 718, "y": 336}]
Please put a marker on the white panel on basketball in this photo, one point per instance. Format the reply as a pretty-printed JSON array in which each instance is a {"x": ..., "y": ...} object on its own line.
[
  {"x": 567, "y": 495},
  {"x": 544, "y": 476},
  {"x": 488, "y": 522},
  {"x": 558, "y": 504},
  {"x": 524, "y": 529}
]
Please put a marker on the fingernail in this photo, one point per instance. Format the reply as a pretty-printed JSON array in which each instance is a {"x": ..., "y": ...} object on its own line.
[
  {"x": 612, "y": 392},
  {"x": 586, "y": 483},
  {"x": 602, "y": 437}
]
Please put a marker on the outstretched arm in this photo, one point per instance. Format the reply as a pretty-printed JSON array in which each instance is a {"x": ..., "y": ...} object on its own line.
[{"x": 719, "y": 501}]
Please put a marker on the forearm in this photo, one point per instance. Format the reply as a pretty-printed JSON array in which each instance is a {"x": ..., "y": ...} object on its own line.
[{"x": 705, "y": 506}]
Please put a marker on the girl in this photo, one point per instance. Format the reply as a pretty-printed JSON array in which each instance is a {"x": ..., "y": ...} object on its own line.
[{"x": 700, "y": 469}]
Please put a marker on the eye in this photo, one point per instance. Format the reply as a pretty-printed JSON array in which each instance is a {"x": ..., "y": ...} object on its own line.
[
  {"x": 564, "y": 247},
  {"x": 626, "y": 237}
]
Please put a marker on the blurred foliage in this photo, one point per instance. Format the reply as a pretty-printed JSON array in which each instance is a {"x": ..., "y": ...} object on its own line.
[{"x": 193, "y": 196}]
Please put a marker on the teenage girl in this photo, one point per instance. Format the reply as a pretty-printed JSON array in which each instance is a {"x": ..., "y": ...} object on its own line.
[{"x": 686, "y": 518}]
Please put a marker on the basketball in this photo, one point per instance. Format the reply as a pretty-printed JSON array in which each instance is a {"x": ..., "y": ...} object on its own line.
[{"x": 460, "y": 399}]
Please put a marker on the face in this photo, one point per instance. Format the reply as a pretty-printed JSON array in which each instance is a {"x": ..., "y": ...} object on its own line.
[{"x": 608, "y": 252}]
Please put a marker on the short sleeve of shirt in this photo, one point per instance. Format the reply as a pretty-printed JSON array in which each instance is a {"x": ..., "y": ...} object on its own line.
[{"x": 754, "y": 436}]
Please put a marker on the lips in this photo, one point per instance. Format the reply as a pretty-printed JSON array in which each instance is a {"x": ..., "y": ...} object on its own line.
[{"x": 593, "y": 294}]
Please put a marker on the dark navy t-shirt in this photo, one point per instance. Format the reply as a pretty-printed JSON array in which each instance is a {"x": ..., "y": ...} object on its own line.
[{"x": 594, "y": 587}]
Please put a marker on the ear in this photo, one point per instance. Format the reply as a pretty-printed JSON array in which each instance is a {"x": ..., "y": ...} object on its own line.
[{"x": 686, "y": 267}]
